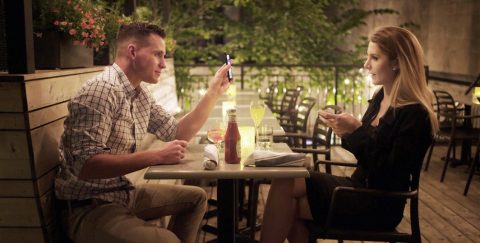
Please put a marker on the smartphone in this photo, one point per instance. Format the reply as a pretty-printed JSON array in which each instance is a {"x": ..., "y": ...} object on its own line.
[{"x": 229, "y": 73}]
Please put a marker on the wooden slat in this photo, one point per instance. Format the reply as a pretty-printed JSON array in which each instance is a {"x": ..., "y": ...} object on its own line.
[
  {"x": 45, "y": 142},
  {"x": 45, "y": 92},
  {"x": 24, "y": 212},
  {"x": 12, "y": 121},
  {"x": 11, "y": 97},
  {"x": 50, "y": 233},
  {"x": 26, "y": 188},
  {"x": 41, "y": 93},
  {"x": 34, "y": 234},
  {"x": 14, "y": 155},
  {"x": 48, "y": 114}
]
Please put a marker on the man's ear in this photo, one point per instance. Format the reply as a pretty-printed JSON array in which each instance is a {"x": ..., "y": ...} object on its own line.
[{"x": 131, "y": 51}]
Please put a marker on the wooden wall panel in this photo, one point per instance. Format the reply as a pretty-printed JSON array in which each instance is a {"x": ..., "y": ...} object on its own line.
[
  {"x": 45, "y": 142},
  {"x": 26, "y": 188},
  {"x": 48, "y": 114},
  {"x": 45, "y": 92},
  {"x": 34, "y": 234},
  {"x": 11, "y": 99},
  {"x": 14, "y": 155},
  {"x": 12, "y": 121},
  {"x": 19, "y": 212},
  {"x": 25, "y": 212},
  {"x": 41, "y": 93}
]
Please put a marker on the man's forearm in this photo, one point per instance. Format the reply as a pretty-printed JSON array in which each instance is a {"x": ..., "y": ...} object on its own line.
[{"x": 102, "y": 166}]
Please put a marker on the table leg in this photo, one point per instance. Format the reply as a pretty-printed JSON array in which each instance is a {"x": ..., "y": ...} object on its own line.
[{"x": 227, "y": 199}]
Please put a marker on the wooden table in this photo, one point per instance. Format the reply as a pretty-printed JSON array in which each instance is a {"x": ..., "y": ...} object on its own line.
[{"x": 227, "y": 176}]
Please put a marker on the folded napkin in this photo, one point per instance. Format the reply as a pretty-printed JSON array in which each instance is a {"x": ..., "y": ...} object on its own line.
[
  {"x": 210, "y": 157},
  {"x": 262, "y": 158}
]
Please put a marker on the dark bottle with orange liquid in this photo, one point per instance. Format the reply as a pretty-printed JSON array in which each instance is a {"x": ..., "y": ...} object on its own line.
[{"x": 232, "y": 139}]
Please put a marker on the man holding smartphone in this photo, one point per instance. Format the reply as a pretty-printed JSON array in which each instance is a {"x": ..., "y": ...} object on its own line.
[{"x": 107, "y": 119}]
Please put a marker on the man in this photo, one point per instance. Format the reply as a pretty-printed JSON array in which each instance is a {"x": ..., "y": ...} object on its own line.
[{"x": 107, "y": 119}]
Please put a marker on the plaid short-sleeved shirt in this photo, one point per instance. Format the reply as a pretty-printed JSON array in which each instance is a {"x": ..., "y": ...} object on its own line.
[{"x": 108, "y": 115}]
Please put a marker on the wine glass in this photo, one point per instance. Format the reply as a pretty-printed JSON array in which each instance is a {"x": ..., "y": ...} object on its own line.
[
  {"x": 257, "y": 112},
  {"x": 216, "y": 133}
]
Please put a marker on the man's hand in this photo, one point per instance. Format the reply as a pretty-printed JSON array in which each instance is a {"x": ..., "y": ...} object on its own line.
[
  {"x": 342, "y": 124},
  {"x": 220, "y": 83},
  {"x": 172, "y": 153}
]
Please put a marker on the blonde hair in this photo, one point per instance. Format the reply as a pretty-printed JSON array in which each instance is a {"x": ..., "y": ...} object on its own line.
[{"x": 410, "y": 84}]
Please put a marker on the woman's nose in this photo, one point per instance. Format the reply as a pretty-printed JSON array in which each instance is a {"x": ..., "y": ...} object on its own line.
[{"x": 366, "y": 64}]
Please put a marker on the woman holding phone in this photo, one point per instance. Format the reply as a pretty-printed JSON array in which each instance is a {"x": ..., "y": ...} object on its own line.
[{"x": 389, "y": 143}]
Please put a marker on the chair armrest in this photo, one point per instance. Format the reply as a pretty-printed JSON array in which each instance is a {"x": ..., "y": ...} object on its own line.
[
  {"x": 297, "y": 135},
  {"x": 336, "y": 163},
  {"x": 375, "y": 192},
  {"x": 310, "y": 150},
  {"x": 338, "y": 191}
]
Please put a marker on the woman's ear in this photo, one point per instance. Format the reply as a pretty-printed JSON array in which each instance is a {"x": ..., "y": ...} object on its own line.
[{"x": 395, "y": 65}]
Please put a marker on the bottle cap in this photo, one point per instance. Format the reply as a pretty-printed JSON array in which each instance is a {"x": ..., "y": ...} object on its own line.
[{"x": 232, "y": 111}]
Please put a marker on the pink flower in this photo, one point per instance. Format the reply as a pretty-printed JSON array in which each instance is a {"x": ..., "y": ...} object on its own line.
[
  {"x": 84, "y": 25},
  {"x": 84, "y": 34},
  {"x": 72, "y": 31},
  {"x": 91, "y": 20},
  {"x": 102, "y": 43},
  {"x": 56, "y": 23}
]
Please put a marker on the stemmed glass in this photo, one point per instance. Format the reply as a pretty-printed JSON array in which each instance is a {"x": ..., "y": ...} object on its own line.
[
  {"x": 216, "y": 133},
  {"x": 257, "y": 112}
]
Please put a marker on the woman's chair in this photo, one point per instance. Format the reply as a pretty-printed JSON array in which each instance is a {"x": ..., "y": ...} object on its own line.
[{"x": 329, "y": 231}]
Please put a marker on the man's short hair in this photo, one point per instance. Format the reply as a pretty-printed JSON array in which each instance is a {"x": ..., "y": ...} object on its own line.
[{"x": 139, "y": 31}]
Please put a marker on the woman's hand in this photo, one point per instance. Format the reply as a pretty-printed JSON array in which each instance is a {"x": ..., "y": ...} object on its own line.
[{"x": 342, "y": 124}]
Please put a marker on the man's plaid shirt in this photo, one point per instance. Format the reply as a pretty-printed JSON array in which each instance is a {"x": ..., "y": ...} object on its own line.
[{"x": 108, "y": 115}]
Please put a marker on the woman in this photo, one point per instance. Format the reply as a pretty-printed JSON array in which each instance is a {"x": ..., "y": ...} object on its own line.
[{"x": 389, "y": 143}]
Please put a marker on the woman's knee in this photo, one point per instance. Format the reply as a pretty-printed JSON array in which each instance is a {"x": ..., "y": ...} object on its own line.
[{"x": 299, "y": 188}]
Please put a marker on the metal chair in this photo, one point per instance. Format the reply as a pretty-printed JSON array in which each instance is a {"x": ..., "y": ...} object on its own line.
[
  {"x": 289, "y": 101},
  {"x": 320, "y": 139},
  {"x": 329, "y": 231},
  {"x": 473, "y": 166},
  {"x": 297, "y": 121},
  {"x": 453, "y": 125},
  {"x": 446, "y": 110}
]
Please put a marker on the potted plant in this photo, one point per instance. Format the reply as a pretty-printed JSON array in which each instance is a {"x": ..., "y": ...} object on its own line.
[{"x": 68, "y": 31}]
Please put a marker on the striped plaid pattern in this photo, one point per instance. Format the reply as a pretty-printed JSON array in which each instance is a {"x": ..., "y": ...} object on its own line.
[{"x": 108, "y": 115}]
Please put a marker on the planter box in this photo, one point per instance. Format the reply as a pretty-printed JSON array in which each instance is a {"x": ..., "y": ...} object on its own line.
[{"x": 53, "y": 51}]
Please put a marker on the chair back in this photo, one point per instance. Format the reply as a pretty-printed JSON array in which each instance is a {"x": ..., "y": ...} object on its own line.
[
  {"x": 322, "y": 134},
  {"x": 300, "y": 117},
  {"x": 289, "y": 101},
  {"x": 272, "y": 91},
  {"x": 445, "y": 108}
]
